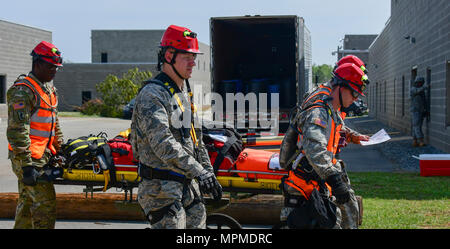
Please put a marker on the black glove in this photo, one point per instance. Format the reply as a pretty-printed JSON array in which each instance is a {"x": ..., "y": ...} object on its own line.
[
  {"x": 52, "y": 173},
  {"x": 208, "y": 184},
  {"x": 339, "y": 188},
  {"x": 30, "y": 175}
]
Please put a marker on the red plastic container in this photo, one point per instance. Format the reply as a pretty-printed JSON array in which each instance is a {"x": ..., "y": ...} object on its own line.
[{"x": 434, "y": 164}]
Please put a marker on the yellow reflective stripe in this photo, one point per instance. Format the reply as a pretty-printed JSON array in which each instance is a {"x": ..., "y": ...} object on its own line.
[{"x": 81, "y": 147}]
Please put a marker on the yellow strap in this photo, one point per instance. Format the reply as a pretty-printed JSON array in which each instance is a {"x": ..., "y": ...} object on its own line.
[
  {"x": 106, "y": 176},
  {"x": 180, "y": 104}
]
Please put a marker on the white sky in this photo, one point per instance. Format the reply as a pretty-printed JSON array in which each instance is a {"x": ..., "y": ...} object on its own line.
[{"x": 71, "y": 22}]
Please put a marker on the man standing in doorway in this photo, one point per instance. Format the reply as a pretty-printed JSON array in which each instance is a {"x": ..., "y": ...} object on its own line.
[{"x": 418, "y": 110}]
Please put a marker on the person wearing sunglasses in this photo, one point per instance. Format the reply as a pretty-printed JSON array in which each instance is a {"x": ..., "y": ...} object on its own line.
[
  {"x": 308, "y": 152},
  {"x": 34, "y": 137}
]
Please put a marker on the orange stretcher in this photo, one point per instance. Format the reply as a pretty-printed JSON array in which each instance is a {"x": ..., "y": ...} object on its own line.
[{"x": 256, "y": 170}]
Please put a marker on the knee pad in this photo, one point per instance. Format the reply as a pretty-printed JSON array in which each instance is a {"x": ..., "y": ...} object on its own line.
[{"x": 171, "y": 210}]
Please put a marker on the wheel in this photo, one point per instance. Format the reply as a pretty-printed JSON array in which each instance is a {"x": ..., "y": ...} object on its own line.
[{"x": 221, "y": 221}]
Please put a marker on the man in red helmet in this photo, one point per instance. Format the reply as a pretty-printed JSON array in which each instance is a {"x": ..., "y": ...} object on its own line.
[
  {"x": 344, "y": 110},
  {"x": 34, "y": 137},
  {"x": 171, "y": 152},
  {"x": 308, "y": 152}
]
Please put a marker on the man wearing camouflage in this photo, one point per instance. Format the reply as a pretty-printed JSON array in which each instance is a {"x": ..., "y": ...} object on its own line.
[
  {"x": 34, "y": 136},
  {"x": 171, "y": 154},
  {"x": 418, "y": 110},
  {"x": 312, "y": 141}
]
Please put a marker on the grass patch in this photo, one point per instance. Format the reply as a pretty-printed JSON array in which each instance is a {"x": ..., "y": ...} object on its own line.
[
  {"x": 403, "y": 200},
  {"x": 76, "y": 115}
]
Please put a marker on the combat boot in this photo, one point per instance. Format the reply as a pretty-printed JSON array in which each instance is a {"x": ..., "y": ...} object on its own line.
[
  {"x": 415, "y": 144},
  {"x": 421, "y": 142}
]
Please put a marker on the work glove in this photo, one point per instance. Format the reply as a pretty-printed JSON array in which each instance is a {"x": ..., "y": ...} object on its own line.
[
  {"x": 339, "y": 188},
  {"x": 208, "y": 184},
  {"x": 52, "y": 173},
  {"x": 30, "y": 175}
]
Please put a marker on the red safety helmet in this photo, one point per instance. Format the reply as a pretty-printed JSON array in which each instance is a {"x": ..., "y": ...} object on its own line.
[
  {"x": 47, "y": 52},
  {"x": 352, "y": 59},
  {"x": 181, "y": 39},
  {"x": 351, "y": 76}
]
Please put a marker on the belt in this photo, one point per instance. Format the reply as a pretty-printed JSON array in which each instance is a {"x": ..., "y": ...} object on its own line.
[{"x": 154, "y": 173}]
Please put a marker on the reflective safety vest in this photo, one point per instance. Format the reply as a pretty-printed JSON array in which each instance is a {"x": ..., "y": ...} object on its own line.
[
  {"x": 42, "y": 121},
  {"x": 333, "y": 130},
  {"x": 332, "y": 133}
]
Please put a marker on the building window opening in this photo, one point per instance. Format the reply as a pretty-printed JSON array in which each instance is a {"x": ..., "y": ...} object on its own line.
[
  {"x": 2, "y": 89},
  {"x": 403, "y": 96},
  {"x": 104, "y": 58},
  {"x": 395, "y": 99},
  {"x": 447, "y": 100},
  {"x": 428, "y": 94},
  {"x": 86, "y": 96},
  {"x": 385, "y": 96}
]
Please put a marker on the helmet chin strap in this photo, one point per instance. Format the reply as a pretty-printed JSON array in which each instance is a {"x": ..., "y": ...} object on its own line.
[
  {"x": 181, "y": 77},
  {"x": 340, "y": 98}
]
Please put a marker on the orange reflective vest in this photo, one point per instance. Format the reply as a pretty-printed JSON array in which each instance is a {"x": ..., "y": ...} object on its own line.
[
  {"x": 333, "y": 130},
  {"x": 333, "y": 135},
  {"x": 42, "y": 121}
]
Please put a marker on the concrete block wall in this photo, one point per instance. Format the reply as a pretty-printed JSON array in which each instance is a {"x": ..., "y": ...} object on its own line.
[
  {"x": 394, "y": 58},
  {"x": 16, "y": 43},
  {"x": 125, "y": 46},
  {"x": 74, "y": 78}
]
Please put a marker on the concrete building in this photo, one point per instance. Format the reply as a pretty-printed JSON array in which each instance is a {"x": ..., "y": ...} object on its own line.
[
  {"x": 16, "y": 43},
  {"x": 414, "y": 42},
  {"x": 119, "y": 46},
  {"x": 357, "y": 45},
  {"x": 116, "y": 52}
]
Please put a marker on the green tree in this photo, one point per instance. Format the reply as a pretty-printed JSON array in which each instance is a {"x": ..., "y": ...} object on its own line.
[
  {"x": 321, "y": 73},
  {"x": 116, "y": 92}
]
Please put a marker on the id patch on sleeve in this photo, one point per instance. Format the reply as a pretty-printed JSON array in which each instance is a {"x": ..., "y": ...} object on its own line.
[
  {"x": 320, "y": 122},
  {"x": 18, "y": 105}
]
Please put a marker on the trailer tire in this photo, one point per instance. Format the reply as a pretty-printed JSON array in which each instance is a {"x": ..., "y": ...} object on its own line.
[{"x": 221, "y": 220}]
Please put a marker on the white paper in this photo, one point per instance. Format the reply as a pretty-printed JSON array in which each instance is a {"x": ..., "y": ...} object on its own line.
[
  {"x": 219, "y": 138},
  {"x": 379, "y": 137}
]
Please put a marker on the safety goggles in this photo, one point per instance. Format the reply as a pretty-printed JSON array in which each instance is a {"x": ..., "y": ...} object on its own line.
[{"x": 55, "y": 59}]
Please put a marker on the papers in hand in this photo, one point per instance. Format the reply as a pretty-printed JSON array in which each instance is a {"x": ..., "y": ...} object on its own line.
[{"x": 379, "y": 137}]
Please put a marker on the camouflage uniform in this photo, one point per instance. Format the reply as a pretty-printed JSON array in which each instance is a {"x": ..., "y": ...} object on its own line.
[
  {"x": 36, "y": 206},
  {"x": 418, "y": 109},
  {"x": 314, "y": 144},
  {"x": 157, "y": 143}
]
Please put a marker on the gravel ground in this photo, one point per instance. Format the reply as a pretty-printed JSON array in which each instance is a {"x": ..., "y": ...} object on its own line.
[{"x": 398, "y": 149}]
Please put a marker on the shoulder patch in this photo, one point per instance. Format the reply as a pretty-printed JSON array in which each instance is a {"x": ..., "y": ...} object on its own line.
[
  {"x": 19, "y": 105},
  {"x": 320, "y": 122}
]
